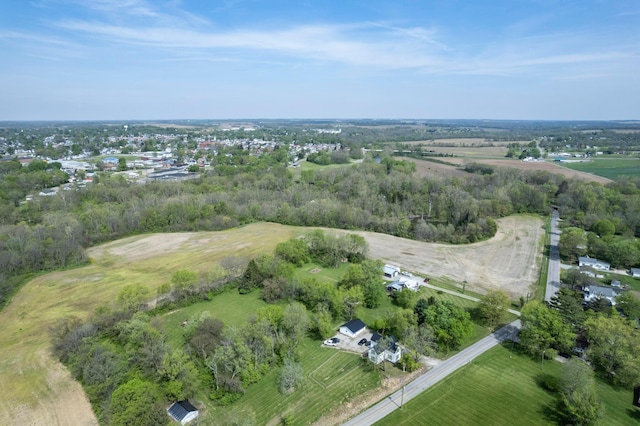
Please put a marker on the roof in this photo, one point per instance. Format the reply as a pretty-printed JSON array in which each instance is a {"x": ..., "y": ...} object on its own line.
[
  {"x": 395, "y": 286},
  {"x": 603, "y": 291},
  {"x": 179, "y": 410},
  {"x": 391, "y": 268},
  {"x": 354, "y": 325},
  {"x": 592, "y": 261}
]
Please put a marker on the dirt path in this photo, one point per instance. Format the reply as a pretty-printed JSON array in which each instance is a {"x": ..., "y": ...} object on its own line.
[{"x": 509, "y": 261}]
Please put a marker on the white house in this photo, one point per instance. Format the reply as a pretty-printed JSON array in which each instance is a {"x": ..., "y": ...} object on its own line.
[
  {"x": 352, "y": 328},
  {"x": 392, "y": 351},
  {"x": 411, "y": 283},
  {"x": 593, "y": 292},
  {"x": 635, "y": 272},
  {"x": 593, "y": 263},
  {"x": 391, "y": 271},
  {"x": 183, "y": 412}
]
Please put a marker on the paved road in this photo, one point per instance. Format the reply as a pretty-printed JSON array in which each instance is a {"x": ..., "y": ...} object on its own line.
[
  {"x": 442, "y": 370},
  {"x": 458, "y": 294},
  {"x": 433, "y": 376},
  {"x": 553, "y": 275}
]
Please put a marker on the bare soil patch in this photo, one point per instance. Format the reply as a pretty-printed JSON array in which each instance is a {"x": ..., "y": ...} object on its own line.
[
  {"x": 431, "y": 169},
  {"x": 426, "y": 168},
  {"x": 509, "y": 261}
]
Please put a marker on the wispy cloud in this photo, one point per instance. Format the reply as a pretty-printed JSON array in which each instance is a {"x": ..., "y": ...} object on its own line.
[{"x": 317, "y": 42}]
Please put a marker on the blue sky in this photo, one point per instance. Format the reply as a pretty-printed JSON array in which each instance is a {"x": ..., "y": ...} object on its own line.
[{"x": 143, "y": 59}]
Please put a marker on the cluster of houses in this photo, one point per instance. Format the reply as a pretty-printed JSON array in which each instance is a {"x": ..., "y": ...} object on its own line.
[{"x": 595, "y": 268}]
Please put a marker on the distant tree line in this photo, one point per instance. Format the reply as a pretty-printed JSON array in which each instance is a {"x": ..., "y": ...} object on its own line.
[{"x": 385, "y": 197}]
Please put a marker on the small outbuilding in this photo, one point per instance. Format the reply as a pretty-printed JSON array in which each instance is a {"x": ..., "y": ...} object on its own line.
[
  {"x": 635, "y": 272},
  {"x": 390, "y": 271},
  {"x": 352, "y": 328},
  {"x": 183, "y": 412}
]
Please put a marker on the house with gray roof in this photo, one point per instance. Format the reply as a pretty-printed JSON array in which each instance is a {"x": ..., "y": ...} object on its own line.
[
  {"x": 593, "y": 263},
  {"x": 593, "y": 292}
]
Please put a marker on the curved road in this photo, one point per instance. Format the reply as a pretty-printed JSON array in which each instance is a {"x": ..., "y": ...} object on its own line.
[{"x": 433, "y": 376}]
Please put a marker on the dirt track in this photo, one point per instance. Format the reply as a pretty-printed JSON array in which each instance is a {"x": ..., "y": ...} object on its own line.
[{"x": 509, "y": 261}]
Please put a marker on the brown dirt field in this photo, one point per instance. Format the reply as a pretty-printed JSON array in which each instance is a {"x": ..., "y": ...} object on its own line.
[
  {"x": 509, "y": 261},
  {"x": 430, "y": 169}
]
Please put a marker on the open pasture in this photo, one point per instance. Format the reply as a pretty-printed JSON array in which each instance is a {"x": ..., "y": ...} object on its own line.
[
  {"x": 608, "y": 167},
  {"x": 503, "y": 387}
]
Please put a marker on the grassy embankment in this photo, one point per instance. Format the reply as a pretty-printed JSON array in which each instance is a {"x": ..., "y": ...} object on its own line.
[{"x": 503, "y": 387}]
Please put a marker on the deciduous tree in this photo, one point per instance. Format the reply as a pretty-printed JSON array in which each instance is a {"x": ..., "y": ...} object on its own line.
[{"x": 493, "y": 307}]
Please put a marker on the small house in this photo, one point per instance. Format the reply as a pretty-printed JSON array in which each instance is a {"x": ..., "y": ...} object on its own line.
[
  {"x": 183, "y": 412},
  {"x": 593, "y": 292},
  {"x": 635, "y": 272},
  {"x": 410, "y": 282},
  {"x": 352, "y": 328},
  {"x": 593, "y": 263}
]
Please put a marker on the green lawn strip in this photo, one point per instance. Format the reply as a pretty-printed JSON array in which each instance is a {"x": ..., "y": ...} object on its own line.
[
  {"x": 450, "y": 284},
  {"x": 502, "y": 387},
  {"x": 229, "y": 307},
  {"x": 332, "y": 378},
  {"x": 321, "y": 273},
  {"x": 495, "y": 389},
  {"x": 610, "y": 167}
]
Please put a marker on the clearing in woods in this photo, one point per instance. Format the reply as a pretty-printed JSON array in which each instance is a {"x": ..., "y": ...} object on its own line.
[{"x": 38, "y": 390}]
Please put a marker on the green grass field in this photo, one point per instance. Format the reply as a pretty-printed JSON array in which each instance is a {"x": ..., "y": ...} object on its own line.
[
  {"x": 331, "y": 378},
  {"x": 609, "y": 167},
  {"x": 229, "y": 307},
  {"x": 502, "y": 387},
  {"x": 30, "y": 377}
]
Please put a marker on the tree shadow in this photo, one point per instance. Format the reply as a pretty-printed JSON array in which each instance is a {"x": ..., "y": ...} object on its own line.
[
  {"x": 634, "y": 413},
  {"x": 553, "y": 412},
  {"x": 548, "y": 382}
]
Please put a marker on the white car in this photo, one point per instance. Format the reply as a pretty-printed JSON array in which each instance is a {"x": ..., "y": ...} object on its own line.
[
  {"x": 330, "y": 342},
  {"x": 406, "y": 274}
]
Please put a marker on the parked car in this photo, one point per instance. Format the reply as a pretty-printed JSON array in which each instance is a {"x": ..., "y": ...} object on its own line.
[
  {"x": 362, "y": 342},
  {"x": 335, "y": 340},
  {"x": 406, "y": 274},
  {"x": 330, "y": 342}
]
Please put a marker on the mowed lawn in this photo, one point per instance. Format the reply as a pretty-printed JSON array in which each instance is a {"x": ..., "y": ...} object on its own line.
[
  {"x": 331, "y": 378},
  {"x": 502, "y": 387},
  {"x": 230, "y": 307}
]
